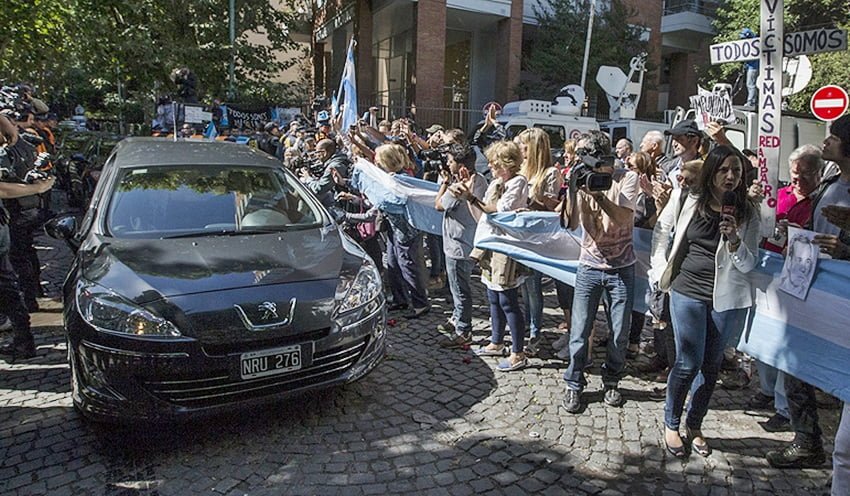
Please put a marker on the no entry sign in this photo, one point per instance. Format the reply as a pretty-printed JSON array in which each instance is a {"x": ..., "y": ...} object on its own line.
[{"x": 829, "y": 102}]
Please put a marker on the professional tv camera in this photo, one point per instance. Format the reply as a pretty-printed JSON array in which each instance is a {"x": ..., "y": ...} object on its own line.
[
  {"x": 434, "y": 160},
  {"x": 12, "y": 102},
  {"x": 312, "y": 163},
  {"x": 587, "y": 173}
]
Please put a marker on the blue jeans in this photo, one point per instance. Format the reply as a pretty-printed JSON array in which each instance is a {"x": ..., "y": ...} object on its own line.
[
  {"x": 772, "y": 383},
  {"x": 532, "y": 295},
  {"x": 505, "y": 310},
  {"x": 701, "y": 333},
  {"x": 435, "y": 254},
  {"x": 841, "y": 455},
  {"x": 617, "y": 286},
  {"x": 752, "y": 87},
  {"x": 459, "y": 274},
  {"x": 405, "y": 271}
]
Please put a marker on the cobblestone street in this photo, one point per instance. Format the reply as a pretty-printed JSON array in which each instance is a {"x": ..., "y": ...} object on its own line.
[{"x": 426, "y": 421}]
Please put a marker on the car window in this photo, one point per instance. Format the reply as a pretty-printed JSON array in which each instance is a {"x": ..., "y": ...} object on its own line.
[
  {"x": 557, "y": 135},
  {"x": 186, "y": 201}
]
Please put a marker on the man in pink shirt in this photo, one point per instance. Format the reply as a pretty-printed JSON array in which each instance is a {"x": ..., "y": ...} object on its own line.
[{"x": 794, "y": 206}]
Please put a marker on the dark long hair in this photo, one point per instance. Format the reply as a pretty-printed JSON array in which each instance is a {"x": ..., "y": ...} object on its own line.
[{"x": 744, "y": 207}]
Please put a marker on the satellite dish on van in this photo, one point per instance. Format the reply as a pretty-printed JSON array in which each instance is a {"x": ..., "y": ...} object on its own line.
[
  {"x": 622, "y": 90},
  {"x": 796, "y": 74},
  {"x": 569, "y": 100}
]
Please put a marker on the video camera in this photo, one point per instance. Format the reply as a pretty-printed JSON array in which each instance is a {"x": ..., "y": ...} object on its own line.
[
  {"x": 310, "y": 162},
  {"x": 434, "y": 160},
  {"x": 12, "y": 102},
  {"x": 587, "y": 173}
]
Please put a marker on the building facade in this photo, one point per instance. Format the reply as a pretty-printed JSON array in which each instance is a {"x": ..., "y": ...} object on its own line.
[{"x": 447, "y": 58}]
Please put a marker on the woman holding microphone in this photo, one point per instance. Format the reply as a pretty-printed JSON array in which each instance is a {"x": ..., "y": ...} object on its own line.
[{"x": 703, "y": 247}]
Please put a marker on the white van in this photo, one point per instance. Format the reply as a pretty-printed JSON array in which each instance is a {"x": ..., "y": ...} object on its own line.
[
  {"x": 525, "y": 114},
  {"x": 632, "y": 129}
]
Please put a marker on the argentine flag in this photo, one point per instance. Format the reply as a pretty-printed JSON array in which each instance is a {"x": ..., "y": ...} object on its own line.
[
  {"x": 347, "y": 92},
  {"x": 211, "y": 132}
]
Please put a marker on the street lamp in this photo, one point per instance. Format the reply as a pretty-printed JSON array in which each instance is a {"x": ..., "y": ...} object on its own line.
[
  {"x": 587, "y": 44},
  {"x": 231, "y": 87}
]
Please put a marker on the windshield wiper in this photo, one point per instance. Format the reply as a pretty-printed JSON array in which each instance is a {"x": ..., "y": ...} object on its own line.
[{"x": 226, "y": 232}]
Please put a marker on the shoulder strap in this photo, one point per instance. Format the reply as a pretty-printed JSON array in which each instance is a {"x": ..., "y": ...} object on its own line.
[{"x": 816, "y": 197}]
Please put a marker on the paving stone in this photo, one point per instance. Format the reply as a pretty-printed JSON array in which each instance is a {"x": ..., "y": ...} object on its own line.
[{"x": 362, "y": 438}]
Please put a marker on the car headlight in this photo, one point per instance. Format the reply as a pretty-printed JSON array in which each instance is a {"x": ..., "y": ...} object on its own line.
[
  {"x": 106, "y": 311},
  {"x": 355, "y": 292}
]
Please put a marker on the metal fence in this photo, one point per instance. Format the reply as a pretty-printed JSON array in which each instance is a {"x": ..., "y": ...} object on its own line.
[{"x": 449, "y": 117}]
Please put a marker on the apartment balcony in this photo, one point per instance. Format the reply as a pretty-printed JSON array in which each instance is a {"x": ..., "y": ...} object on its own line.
[{"x": 685, "y": 22}]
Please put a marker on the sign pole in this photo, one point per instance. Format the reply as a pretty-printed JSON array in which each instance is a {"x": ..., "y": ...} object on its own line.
[{"x": 770, "y": 108}]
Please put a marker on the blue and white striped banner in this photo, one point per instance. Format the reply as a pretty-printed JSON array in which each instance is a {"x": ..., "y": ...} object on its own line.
[
  {"x": 399, "y": 194},
  {"x": 808, "y": 339}
]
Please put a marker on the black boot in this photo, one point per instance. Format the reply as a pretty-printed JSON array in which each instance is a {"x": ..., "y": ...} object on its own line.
[
  {"x": 797, "y": 455},
  {"x": 19, "y": 349}
]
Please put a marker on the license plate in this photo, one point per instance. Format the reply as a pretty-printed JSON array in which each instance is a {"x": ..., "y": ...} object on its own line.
[{"x": 270, "y": 362}]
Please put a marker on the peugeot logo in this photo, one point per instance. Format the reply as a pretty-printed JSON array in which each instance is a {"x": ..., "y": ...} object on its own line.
[
  {"x": 268, "y": 314},
  {"x": 268, "y": 309}
]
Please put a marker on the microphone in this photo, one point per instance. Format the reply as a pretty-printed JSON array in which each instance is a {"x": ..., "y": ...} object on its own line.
[
  {"x": 728, "y": 205},
  {"x": 729, "y": 200}
]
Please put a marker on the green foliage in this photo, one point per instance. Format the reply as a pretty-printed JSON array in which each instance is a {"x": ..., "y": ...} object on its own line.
[
  {"x": 557, "y": 53},
  {"x": 78, "y": 50},
  {"x": 799, "y": 15}
]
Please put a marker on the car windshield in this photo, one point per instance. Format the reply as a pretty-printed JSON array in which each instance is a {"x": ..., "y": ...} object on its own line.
[{"x": 188, "y": 201}]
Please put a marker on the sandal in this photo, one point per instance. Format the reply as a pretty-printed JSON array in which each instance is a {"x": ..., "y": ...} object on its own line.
[
  {"x": 679, "y": 452},
  {"x": 702, "y": 449},
  {"x": 488, "y": 351},
  {"x": 509, "y": 366}
]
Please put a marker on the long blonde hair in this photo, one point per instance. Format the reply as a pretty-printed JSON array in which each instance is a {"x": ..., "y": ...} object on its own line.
[
  {"x": 538, "y": 159},
  {"x": 392, "y": 157}
]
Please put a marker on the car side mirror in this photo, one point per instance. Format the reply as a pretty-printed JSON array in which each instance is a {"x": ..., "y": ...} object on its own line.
[{"x": 61, "y": 227}]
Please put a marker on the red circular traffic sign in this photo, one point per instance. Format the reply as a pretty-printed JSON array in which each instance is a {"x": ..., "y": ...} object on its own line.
[
  {"x": 829, "y": 102},
  {"x": 487, "y": 106}
]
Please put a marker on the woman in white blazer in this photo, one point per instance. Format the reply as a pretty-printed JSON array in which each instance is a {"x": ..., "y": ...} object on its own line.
[{"x": 714, "y": 247}]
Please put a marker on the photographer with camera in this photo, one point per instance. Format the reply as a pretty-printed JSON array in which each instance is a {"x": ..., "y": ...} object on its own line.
[
  {"x": 601, "y": 199},
  {"x": 321, "y": 182},
  {"x": 458, "y": 236},
  {"x": 12, "y": 302},
  {"x": 25, "y": 212},
  {"x": 433, "y": 158}
]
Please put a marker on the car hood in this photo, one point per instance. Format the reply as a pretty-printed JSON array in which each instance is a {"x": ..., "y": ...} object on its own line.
[{"x": 144, "y": 270}]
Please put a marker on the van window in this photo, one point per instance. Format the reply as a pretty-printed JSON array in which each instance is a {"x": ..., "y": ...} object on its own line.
[
  {"x": 557, "y": 134},
  {"x": 514, "y": 130}
]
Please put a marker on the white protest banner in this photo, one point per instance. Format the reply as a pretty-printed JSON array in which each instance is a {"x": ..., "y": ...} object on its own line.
[
  {"x": 770, "y": 105},
  {"x": 195, "y": 114},
  {"x": 802, "y": 43},
  {"x": 712, "y": 106}
]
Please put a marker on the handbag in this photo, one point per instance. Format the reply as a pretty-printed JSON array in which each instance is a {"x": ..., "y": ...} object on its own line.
[
  {"x": 672, "y": 268},
  {"x": 366, "y": 230}
]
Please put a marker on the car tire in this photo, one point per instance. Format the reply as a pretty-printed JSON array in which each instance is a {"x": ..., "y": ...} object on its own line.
[{"x": 75, "y": 385}]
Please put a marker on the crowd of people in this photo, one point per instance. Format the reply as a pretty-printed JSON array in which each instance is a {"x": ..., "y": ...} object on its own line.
[
  {"x": 701, "y": 202},
  {"x": 26, "y": 145}
]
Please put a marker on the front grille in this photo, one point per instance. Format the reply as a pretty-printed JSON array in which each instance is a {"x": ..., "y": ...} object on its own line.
[
  {"x": 221, "y": 349},
  {"x": 219, "y": 387}
]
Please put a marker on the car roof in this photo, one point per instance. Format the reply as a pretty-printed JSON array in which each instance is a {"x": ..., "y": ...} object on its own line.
[{"x": 151, "y": 152}]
